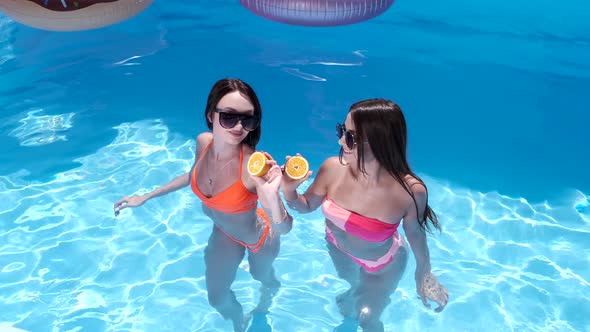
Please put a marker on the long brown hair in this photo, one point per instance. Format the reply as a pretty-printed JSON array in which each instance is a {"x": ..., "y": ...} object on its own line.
[{"x": 382, "y": 124}]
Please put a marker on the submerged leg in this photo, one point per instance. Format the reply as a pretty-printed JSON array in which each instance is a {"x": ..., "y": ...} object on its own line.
[
  {"x": 372, "y": 295},
  {"x": 348, "y": 270},
  {"x": 261, "y": 269},
  {"x": 222, "y": 258}
]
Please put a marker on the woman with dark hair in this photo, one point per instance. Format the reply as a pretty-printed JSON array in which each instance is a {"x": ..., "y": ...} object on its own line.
[
  {"x": 365, "y": 193},
  {"x": 219, "y": 177}
]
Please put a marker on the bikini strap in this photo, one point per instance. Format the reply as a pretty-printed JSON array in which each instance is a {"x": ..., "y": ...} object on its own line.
[
  {"x": 254, "y": 247},
  {"x": 202, "y": 154},
  {"x": 241, "y": 159}
]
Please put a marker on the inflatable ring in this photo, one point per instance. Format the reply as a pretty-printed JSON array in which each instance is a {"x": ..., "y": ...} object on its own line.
[
  {"x": 318, "y": 12},
  {"x": 71, "y": 15}
]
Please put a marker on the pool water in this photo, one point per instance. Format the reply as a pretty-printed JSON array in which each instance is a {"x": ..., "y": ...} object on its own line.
[{"x": 493, "y": 93}]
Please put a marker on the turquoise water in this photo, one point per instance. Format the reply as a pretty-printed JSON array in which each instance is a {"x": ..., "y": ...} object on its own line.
[{"x": 495, "y": 102}]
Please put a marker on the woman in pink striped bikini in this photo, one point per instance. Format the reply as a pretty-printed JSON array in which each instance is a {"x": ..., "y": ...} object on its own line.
[{"x": 365, "y": 193}]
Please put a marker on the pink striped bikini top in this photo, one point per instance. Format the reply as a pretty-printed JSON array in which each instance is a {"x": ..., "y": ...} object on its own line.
[{"x": 368, "y": 229}]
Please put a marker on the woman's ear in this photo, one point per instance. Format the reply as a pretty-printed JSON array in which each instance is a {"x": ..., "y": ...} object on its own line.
[{"x": 210, "y": 117}]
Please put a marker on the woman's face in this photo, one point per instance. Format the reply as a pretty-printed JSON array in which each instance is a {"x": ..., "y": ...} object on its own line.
[{"x": 232, "y": 117}]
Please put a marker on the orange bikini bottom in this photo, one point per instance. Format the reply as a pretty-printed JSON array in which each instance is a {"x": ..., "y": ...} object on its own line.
[{"x": 255, "y": 247}]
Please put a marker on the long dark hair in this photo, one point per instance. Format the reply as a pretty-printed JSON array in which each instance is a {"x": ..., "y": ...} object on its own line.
[
  {"x": 229, "y": 85},
  {"x": 382, "y": 123}
]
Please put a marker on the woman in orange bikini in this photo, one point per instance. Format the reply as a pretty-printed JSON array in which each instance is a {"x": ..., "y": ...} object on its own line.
[
  {"x": 219, "y": 177},
  {"x": 364, "y": 194}
]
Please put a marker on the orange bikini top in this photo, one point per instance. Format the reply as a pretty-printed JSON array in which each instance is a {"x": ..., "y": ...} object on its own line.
[{"x": 235, "y": 199}]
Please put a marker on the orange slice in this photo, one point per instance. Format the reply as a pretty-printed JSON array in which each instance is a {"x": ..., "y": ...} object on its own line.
[
  {"x": 257, "y": 165},
  {"x": 296, "y": 167}
]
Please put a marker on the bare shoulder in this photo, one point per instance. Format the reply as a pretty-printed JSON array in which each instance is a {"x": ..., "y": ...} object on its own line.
[
  {"x": 329, "y": 170},
  {"x": 325, "y": 176},
  {"x": 415, "y": 207},
  {"x": 420, "y": 195},
  {"x": 202, "y": 140},
  {"x": 416, "y": 186},
  {"x": 248, "y": 151},
  {"x": 331, "y": 164}
]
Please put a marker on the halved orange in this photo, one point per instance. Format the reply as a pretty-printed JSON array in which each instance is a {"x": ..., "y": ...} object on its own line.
[
  {"x": 257, "y": 165},
  {"x": 296, "y": 167}
]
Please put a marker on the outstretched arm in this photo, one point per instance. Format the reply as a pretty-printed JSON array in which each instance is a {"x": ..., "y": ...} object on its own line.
[
  {"x": 176, "y": 184},
  {"x": 138, "y": 200},
  {"x": 314, "y": 195}
]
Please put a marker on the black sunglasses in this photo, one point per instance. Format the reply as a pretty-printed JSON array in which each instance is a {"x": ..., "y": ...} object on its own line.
[
  {"x": 229, "y": 120},
  {"x": 349, "y": 136}
]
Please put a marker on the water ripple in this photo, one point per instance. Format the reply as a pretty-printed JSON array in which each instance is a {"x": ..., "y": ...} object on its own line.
[{"x": 66, "y": 263}]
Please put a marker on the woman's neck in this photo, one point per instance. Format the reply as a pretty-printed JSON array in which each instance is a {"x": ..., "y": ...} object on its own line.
[
  {"x": 373, "y": 174},
  {"x": 223, "y": 151}
]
